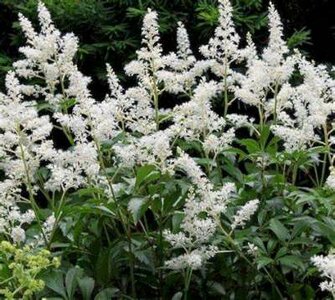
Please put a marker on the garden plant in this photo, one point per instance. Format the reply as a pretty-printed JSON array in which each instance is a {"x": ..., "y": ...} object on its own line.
[{"x": 210, "y": 176}]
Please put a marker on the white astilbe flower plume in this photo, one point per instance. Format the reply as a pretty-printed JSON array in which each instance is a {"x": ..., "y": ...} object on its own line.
[
  {"x": 194, "y": 260},
  {"x": 326, "y": 265},
  {"x": 23, "y": 133},
  {"x": 330, "y": 182},
  {"x": 197, "y": 230},
  {"x": 249, "y": 53},
  {"x": 312, "y": 103},
  {"x": 267, "y": 72},
  {"x": 152, "y": 49},
  {"x": 223, "y": 47},
  {"x": 273, "y": 53},
  {"x": 182, "y": 68},
  {"x": 244, "y": 214},
  {"x": 153, "y": 149},
  {"x": 49, "y": 55},
  {"x": 195, "y": 119},
  {"x": 184, "y": 51},
  {"x": 12, "y": 219},
  {"x": 73, "y": 168},
  {"x": 146, "y": 68},
  {"x": 149, "y": 57}
]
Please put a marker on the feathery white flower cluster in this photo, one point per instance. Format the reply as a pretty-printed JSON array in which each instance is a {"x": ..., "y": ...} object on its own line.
[
  {"x": 312, "y": 102},
  {"x": 222, "y": 49},
  {"x": 46, "y": 231},
  {"x": 182, "y": 68},
  {"x": 148, "y": 63},
  {"x": 326, "y": 265},
  {"x": 23, "y": 138},
  {"x": 330, "y": 182},
  {"x": 265, "y": 73},
  {"x": 203, "y": 206},
  {"x": 12, "y": 221},
  {"x": 48, "y": 56},
  {"x": 23, "y": 133},
  {"x": 297, "y": 110},
  {"x": 244, "y": 214},
  {"x": 153, "y": 149}
]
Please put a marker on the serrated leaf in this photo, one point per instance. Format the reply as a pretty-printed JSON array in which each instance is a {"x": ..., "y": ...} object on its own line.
[
  {"x": 279, "y": 229},
  {"x": 106, "y": 210},
  {"x": 263, "y": 261},
  {"x": 146, "y": 173},
  {"x": 251, "y": 145},
  {"x": 137, "y": 207},
  {"x": 54, "y": 281},
  {"x": 292, "y": 261}
]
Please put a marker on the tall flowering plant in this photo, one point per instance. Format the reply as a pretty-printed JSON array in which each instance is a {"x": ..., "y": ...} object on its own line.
[{"x": 137, "y": 194}]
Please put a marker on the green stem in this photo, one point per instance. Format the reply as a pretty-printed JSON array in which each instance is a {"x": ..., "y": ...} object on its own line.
[
  {"x": 7, "y": 280},
  {"x": 276, "y": 103},
  {"x": 239, "y": 251},
  {"x": 126, "y": 228},
  {"x": 131, "y": 263},
  {"x": 226, "y": 104},
  {"x": 155, "y": 95},
  {"x": 261, "y": 118},
  {"x": 187, "y": 282},
  {"x": 294, "y": 173},
  {"x": 326, "y": 155},
  {"x": 155, "y": 92},
  {"x": 30, "y": 189},
  {"x": 58, "y": 216}
]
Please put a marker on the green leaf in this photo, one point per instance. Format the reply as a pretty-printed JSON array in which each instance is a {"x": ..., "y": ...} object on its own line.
[
  {"x": 102, "y": 267},
  {"x": 263, "y": 261},
  {"x": 326, "y": 230},
  {"x": 279, "y": 230},
  {"x": 71, "y": 281},
  {"x": 233, "y": 171},
  {"x": 137, "y": 207},
  {"x": 251, "y": 145},
  {"x": 4, "y": 271},
  {"x": 54, "y": 281},
  {"x": 292, "y": 261},
  {"x": 86, "y": 286},
  {"x": 259, "y": 243},
  {"x": 107, "y": 294},
  {"x": 177, "y": 296},
  {"x": 265, "y": 133},
  {"x": 67, "y": 103},
  {"x": 146, "y": 173},
  {"x": 177, "y": 218},
  {"x": 106, "y": 210},
  {"x": 282, "y": 251}
]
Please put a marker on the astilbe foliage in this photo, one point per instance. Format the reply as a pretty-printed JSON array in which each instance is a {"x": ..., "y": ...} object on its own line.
[{"x": 112, "y": 141}]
